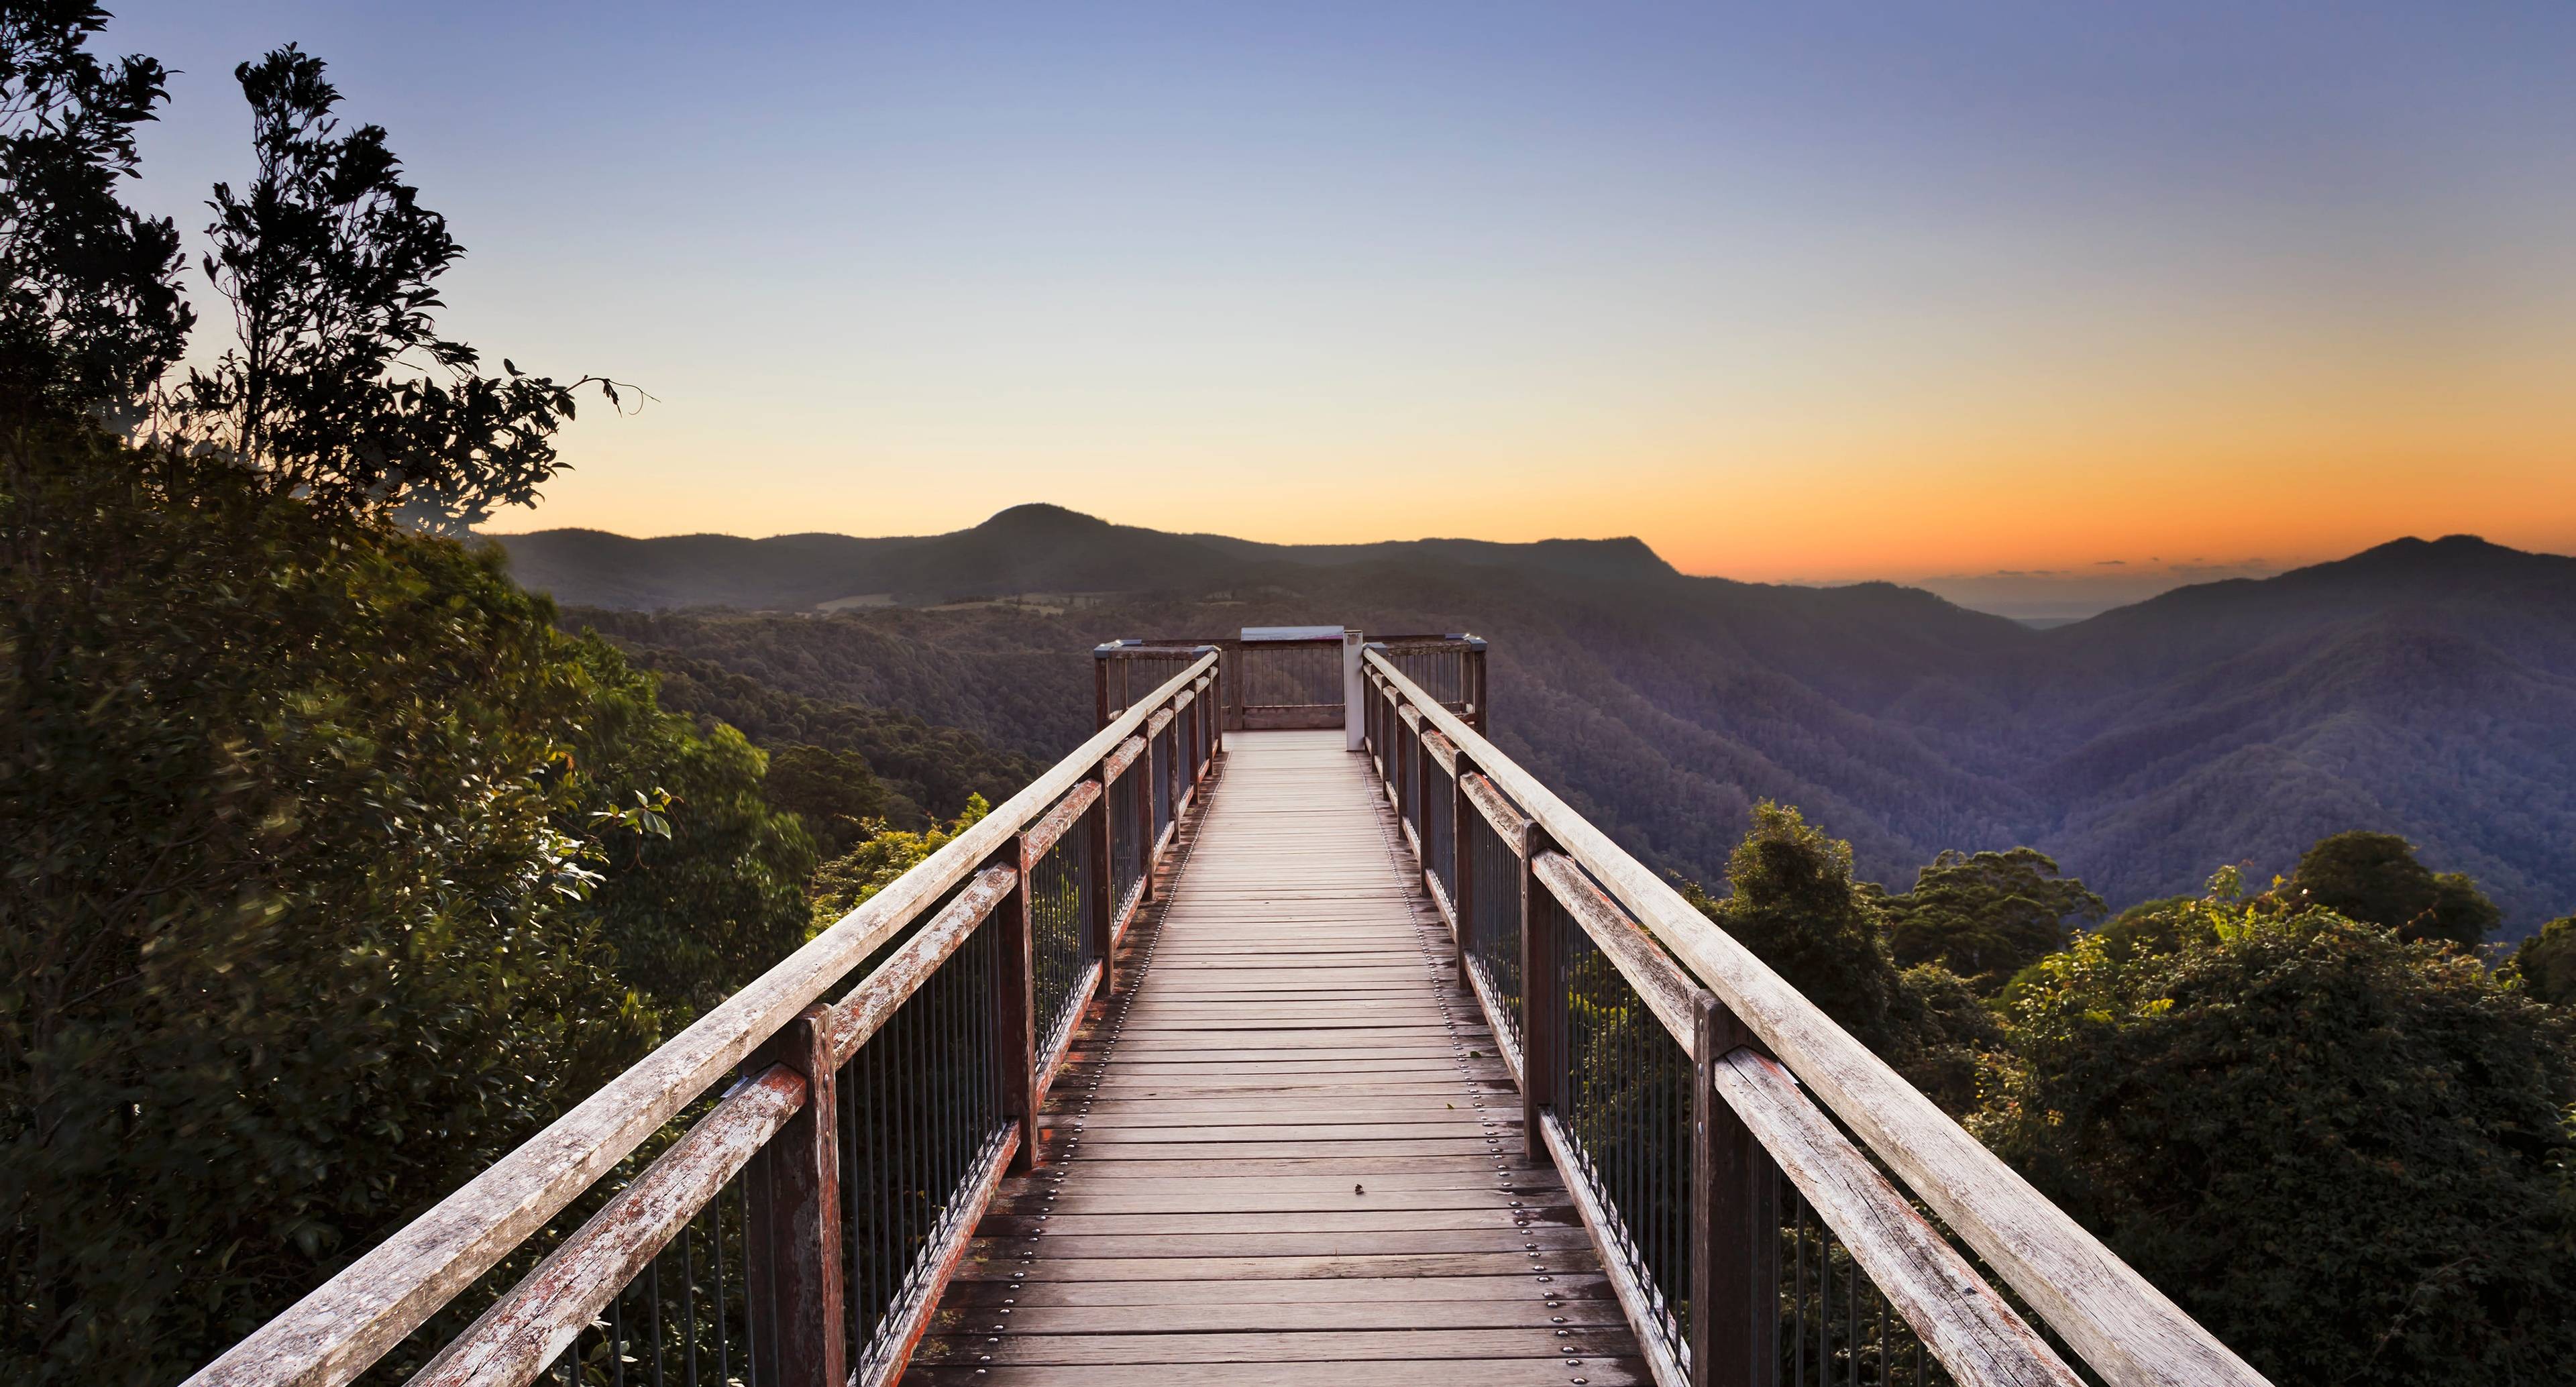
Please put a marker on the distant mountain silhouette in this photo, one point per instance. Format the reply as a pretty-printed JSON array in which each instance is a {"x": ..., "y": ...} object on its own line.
[
  {"x": 2423, "y": 687},
  {"x": 1026, "y": 549}
]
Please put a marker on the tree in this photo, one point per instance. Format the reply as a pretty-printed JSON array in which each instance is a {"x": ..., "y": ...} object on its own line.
[
  {"x": 2374, "y": 878},
  {"x": 2546, "y": 962},
  {"x": 713, "y": 890},
  {"x": 2343, "y": 1152},
  {"x": 1986, "y": 915},
  {"x": 341, "y": 389},
  {"x": 278, "y": 906},
  {"x": 1795, "y": 905},
  {"x": 329, "y": 868},
  {"x": 846, "y": 882},
  {"x": 329, "y": 871},
  {"x": 90, "y": 310},
  {"x": 834, "y": 792}
]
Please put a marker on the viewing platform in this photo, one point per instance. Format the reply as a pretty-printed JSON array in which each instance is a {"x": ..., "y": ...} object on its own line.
[{"x": 1286, "y": 1032}]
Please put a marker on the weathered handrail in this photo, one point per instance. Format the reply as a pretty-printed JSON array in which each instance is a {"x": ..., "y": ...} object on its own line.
[
  {"x": 1969, "y": 1328},
  {"x": 527, "y": 1328},
  {"x": 345, "y": 1325},
  {"x": 2113, "y": 1318}
]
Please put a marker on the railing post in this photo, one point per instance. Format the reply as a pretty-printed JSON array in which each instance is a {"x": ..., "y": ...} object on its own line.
[
  {"x": 1143, "y": 769},
  {"x": 1422, "y": 801},
  {"x": 1099, "y": 687},
  {"x": 1015, "y": 1038},
  {"x": 1354, "y": 688},
  {"x": 1398, "y": 759},
  {"x": 1475, "y": 686},
  {"x": 792, "y": 1230},
  {"x": 1735, "y": 1222},
  {"x": 1198, "y": 735},
  {"x": 1542, "y": 993},
  {"x": 1462, "y": 865},
  {"x": 1223, "y": 689},
  {"x": 1103, "y": 882}
]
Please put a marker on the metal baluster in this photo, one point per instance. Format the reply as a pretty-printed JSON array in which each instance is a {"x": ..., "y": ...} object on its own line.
[
  {"x": 689, "y": 1296},
  {"x": 1799, "y": 1328},
  {"x": 724, "y": 1348},
  {"x": 653, "y": 1288},
  {"x": 1851, "y": 1318}
]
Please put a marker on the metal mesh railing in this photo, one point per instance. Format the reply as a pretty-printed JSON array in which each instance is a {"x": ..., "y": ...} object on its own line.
[
  {"x": 1281, "y": 675},
  {"x": 1493, "y": 925},
  {"x": 1439, "y": 831},
  {"x": 1160, "y": 770},
  {"x": 1440, "y": 671},
  {"x": 1059, "y": 928},
  {"x": 1132, "y": 673},
  {"x": 1836, "y": 1329},
  {"x": 686, "y": 1319},
  {"x": 1127, "y": 845},
  {"x": 921, "y": 1113},
  {"x": 1624, "y": 1102}
]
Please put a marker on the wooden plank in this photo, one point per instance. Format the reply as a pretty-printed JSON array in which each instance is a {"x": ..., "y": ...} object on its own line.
[
  {"x": 1283, "y": 1123},
  {"x": 1286, "y": 1347},
  {"x": 2122, "y": 1326},
  {"x": 1397, "y": 1310},
  {"x": 1448, "y": 1372},
  {"x": 1123, "y": 756},
  {"x": 1243, "y": 1266},
  {"x": 1248, "y": 1291},
  {"x": 1442, "y": 750}
]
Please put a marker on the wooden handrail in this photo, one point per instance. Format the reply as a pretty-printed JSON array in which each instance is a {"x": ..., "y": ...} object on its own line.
[
  {"x": 1442, "y": 750},
  {"x": 1659, "y": 981},
  {"x": 1508, "y": 823},
  {"x": 890, "y": 984},
  {"x": 2116, "y": 1320},
  {"x": 1969, "y": 1328},
  {"x": 1043, "y": 834},
  {"x": 1115, "y": 764},
  {"x": 344, "y": 1325},
  {"x": 511, "y": 1342}
]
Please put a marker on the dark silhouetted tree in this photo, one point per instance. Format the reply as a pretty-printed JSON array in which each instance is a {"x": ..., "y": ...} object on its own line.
[
  {"x": 1794, "y": 904},
  {"x": 834, "y": 792},
  {"x": 1986, "y": 915},
  {"x": 2546, "y": 962},
  {"x": 342, "y": 389},
  {"x": 2345, "y": 1153},
  {"x": 2374, "y": 878},
  {"x": 90, "y": 311}
]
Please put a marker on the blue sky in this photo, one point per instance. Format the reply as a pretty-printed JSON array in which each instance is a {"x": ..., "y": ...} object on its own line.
[{"x": 1811, "y": 292}]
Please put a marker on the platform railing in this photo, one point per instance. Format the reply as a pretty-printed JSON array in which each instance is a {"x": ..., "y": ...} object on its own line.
[
  {"x": 1756, "y": 1181},
  {"x": 821, "y": 1143}
]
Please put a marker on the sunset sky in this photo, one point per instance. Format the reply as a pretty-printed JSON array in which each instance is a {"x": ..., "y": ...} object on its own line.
[{"x": 1794, "y": 292}]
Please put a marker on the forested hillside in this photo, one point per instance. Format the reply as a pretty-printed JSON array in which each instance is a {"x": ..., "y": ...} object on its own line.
[{"x": 2423, "y": 688}]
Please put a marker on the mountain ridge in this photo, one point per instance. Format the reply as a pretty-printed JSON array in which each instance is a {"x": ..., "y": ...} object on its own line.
[{"x": 2425, "y": 687}]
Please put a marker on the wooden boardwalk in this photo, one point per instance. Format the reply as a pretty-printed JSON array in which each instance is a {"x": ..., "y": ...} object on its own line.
[{"x": 1288, "y": 1153}]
